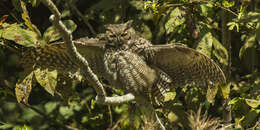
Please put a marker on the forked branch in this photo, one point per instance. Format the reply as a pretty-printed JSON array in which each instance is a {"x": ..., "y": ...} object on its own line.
[{"x": 67, "y": 37}]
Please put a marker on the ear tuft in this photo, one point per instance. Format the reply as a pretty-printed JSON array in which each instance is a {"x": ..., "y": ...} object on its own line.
[{"x": 129, "y": 23}]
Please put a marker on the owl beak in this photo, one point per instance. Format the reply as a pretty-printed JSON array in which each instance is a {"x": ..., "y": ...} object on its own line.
[{"x": 118, "y": 39}]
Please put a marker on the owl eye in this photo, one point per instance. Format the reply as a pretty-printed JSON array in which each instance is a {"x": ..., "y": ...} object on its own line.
[
  {"x": 124, "y": 34},
  {"x": 112, "y": 35}
]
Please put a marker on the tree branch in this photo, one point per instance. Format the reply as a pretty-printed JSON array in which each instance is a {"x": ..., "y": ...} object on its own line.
[
  {"x": 67, "y": 37},
  {"x": 116, "y": 100}
]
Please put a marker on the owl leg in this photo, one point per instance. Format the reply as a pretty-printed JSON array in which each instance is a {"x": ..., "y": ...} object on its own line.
[{"x": 161, "y": 87}]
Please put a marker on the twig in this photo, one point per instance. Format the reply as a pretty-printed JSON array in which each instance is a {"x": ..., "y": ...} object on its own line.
[
  {"x": 110, "y": 115},
  {"x": 159, "y": 121},
  {"x": 116, "y": 125},
  {"x": 101, "y": 94},
  {"x": 85, "y": 20}
]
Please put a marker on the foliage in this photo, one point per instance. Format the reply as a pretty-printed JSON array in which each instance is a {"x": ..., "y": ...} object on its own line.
[{"x": 198, "y": 24}]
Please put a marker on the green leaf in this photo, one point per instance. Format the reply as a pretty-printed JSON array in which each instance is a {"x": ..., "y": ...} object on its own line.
[
  {"x": 169, "y": 96},
  {"x": 27, "y": 20},
  {"x": 175, "y": 20},
  {"x": 205, "y": 44},
  {"x": 172, "y": 117},
  {"x": 227, "y": 3},
  {"x": 211, "y": 93},
  {"x": 253, "y": 102},
  {"x": 234, "y": 101},
  {"x": 220, "y": 52},
  {"x": 249, "y": 44},
  {"x": 66, "y": 112},
  {"x": 47, "y": 79},
  {"x": 16, "y": 33},
  {"x": 23, "y": 87},
  {"x": 232, "y": 25},
  {"x": 207, "y": 9},
  {"x": 251, "y": 117},
  {"x": 93, "y": 103},
  {"x": 225, "y": 89},
  {"x": 50, "y": 106},
  {"x": 248, "y": 53},
  {"x": 52, "y": 34},
  {"x": 5, "y": 125},
  {"x": 26, "y": 127},
  {"x": 250, "y": 17}
]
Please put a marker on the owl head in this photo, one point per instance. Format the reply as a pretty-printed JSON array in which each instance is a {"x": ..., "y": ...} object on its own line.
[{"x": 118, "y": 34}]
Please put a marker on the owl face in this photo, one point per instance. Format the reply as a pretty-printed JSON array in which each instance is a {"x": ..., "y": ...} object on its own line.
[{"x": 118, "y": 34}]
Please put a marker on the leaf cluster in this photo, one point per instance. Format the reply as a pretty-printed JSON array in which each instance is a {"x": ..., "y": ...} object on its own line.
[{"x": 226, "y": 31}]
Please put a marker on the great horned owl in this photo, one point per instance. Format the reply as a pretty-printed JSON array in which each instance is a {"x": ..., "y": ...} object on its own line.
[{"x": 132, "y": 63}]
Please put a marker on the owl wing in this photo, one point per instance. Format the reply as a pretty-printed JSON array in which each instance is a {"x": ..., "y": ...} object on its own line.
[
  {"x": 184, "y": 65},
  {"x": 55, "y": 56}
]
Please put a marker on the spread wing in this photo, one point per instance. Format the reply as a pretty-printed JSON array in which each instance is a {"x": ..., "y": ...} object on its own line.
[
  {"x": 55, "y": 56},
  {"x": 184, "y": 65}
]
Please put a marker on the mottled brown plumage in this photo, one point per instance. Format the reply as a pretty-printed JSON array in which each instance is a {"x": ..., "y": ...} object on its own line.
[{"x": 132, "y": 63}]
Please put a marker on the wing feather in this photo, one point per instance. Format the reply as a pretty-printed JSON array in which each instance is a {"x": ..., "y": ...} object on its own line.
[
  {"x": 184, "y": 65},
  {"x": 55, "y": 56}
]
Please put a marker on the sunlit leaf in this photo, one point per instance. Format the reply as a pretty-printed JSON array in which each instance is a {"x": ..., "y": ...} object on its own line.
[
  {"x": 250, "y": 17},
  {"x": 23, "y": 88},
  {"x": 207, "y": 9},
  {"x": 52, "y": 34},
  {"x": 169, "y": 96},
  {"x": 205, "y": 44},
  {"x": 253, "y": 102},
  {"x": 227, "y": 3},
  {"x": 172, "y": 117},
  {"x": 19, "y": 35},
  {"x": 179, "y": 115},
  {"x": 232, "y": 25},
  {"x": 26, "y": 127},
  {"x": 139, "y": 5},
  {"x": 234, "y": 101},
  {"x": 93, "y": 103},
  {"x": 47, "y": 79},
  {"x": 211, "y": 93},
  {"x": 176, "y": 19},
  {"x": 225, "y": 89}
]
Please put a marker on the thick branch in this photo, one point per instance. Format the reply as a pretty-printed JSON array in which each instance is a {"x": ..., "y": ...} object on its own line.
[
  {"x": 101, "y": 94},
  {"x": 226, "y": 40},
  {"x": 55, "y": 19},
  {"x": 117, "y": 100}
]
